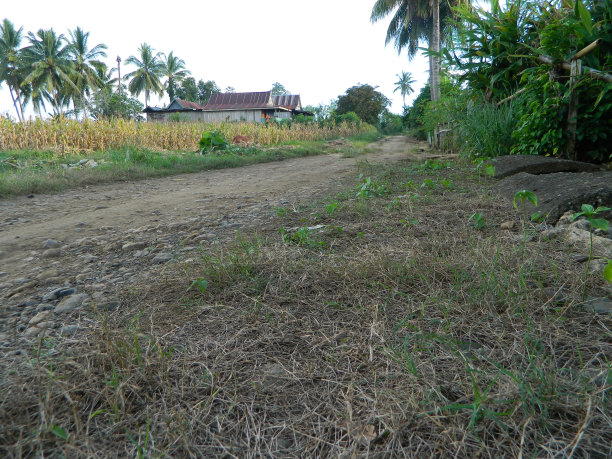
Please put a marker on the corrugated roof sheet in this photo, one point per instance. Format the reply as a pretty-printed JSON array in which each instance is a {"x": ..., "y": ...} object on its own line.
[
  {"x": 290, "y": 101},
  {"x": 188, "y": 104},
  {"x": 239, "y": 101}
]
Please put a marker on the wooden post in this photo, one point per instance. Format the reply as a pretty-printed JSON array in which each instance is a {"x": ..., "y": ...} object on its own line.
[{"x": 572, "y": 114}]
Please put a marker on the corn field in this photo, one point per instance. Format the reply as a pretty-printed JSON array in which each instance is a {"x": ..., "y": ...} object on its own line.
[{"x": 74, "y": 136}]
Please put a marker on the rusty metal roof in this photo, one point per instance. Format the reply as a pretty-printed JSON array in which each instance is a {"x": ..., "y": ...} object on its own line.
[
  {"x": 290, "y": 101},
  {"x": 188, "y": 104},
  {"x": 239, "y": 101}
]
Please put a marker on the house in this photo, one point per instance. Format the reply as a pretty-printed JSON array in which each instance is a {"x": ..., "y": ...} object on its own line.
[{"x": 253, "y": 107}]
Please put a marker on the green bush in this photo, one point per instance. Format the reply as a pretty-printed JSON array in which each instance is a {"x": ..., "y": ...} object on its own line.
[
  {"x": 212, "y": 140},
  {"x": 390, "y": 123},
  {"x": 542, "y": 117},
  {"x": 497, "y": 52},
  {"x": 486, "y": 130},
  {"x": 350, "y": 117}
]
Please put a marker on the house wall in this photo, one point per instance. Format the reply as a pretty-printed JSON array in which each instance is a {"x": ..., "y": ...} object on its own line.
[
  {"x": 157, "y": 116},
  {"x": 249, "y": 116},
  {"x": 283, "y": 115}
]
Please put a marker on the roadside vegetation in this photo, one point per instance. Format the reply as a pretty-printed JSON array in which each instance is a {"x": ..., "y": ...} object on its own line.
[
  {"x": 506, "y": 84},
  {"x": 384, "y": 320},
  {"x": 43, "y": 171}
]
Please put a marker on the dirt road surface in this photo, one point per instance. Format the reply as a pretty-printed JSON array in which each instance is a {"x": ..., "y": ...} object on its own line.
[{"x": 88, "y": 243}]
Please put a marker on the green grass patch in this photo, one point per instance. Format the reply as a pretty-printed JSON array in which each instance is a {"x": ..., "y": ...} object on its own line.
[{"x": 23, "y": 172}]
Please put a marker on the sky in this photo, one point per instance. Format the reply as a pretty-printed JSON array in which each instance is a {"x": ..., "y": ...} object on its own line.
[{"x": 317, "y": 49}]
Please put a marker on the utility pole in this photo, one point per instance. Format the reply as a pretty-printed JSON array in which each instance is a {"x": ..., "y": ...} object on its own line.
[{"x": 119, "y": 73}]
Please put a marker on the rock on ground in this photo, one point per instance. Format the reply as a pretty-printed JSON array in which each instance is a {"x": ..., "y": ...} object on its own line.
[{"x": 559, "y": 192}]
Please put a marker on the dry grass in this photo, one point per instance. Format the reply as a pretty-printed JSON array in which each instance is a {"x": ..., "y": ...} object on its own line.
[
  {"x": 68, "y": 136},
  {"x": 375, "y": 336}
]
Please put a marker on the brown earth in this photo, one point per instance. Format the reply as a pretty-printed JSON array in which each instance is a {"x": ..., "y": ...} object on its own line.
[
  {"x": 365, "y": 346},
  {"x": 95, "y": 225}
]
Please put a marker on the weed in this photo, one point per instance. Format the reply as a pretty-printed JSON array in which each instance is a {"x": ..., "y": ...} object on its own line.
[
  {"x": 302, "y": 236},
  {"x": 519, "y": 198},
  {"x": 396, "y": 204},
  {"x": 446, "y": 183},
  {"x": 479, "y": 220},
  {"x": 331, "y": 207},
  {"x": 369, "y": 188},
  {"x": 282, "y": 211},
  {"x": 523, "y": 195},
  {"x": 430, "y": 165},
  {"x": 406, "y": 222},
  {"x": 200, "y": 283},
  {"x": 591, "y": 214},
  {"x": 607, "y": 272}
]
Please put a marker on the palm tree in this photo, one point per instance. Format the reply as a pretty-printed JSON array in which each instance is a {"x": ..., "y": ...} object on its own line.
[
  {"x": 174, "y": 70},
  {"x": 404, "y": 85},
  {"x": 10, "y": 40},
  {"x": 87, "y": 67},
  {"x": 50, "y": 69},
  {"x": 147, "y": 76},
  {"x": 413, "y": 21}
]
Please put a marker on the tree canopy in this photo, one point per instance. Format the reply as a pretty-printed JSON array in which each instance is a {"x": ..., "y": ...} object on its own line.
[{"x": 363, "y": 100}]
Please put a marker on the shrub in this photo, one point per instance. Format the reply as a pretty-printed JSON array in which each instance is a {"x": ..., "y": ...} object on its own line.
[
  {"x": 212, "y": 140},
  {"x": 350, "y": 117},
  {"x": 390, "y": 123}
]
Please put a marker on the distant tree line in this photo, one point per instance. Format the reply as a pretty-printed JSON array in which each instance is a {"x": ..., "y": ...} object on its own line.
[{"x": 66, "y": 76}]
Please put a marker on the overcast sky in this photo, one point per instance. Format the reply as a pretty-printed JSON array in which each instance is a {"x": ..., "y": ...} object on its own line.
[{"x": 317, "y": 48}]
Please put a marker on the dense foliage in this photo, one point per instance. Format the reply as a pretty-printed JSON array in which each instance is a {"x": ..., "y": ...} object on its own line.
[
  {"x": 511, "y": 64},
  {"x": 65, "y": 75},
  {"x": 365, "y": 101}
]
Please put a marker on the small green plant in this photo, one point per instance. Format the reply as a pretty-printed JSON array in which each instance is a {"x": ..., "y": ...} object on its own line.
[
  {"x": 607, "y": 272},
  {"x": 479, "y": 220},
  {"x": 282, "y": 211},
  {"x": 303, "y": 237},
  {"x": 201, "y": 284},
  {"x": 447, "y": 184},
  {"x": 521, "y": 196},
  {"x": 396, "y": 204},
  {"x": 428, "y": 183},
  {"x": 369, "y": 188},
  {"x": 591, "y": 214},
  {"x": 58, "y": 431},
  {"x": 409, "y": 222},
  {"x": 430, "y": 165},
  {"x": 212, "y": 140},
  {"x": 331, "y": 207}
]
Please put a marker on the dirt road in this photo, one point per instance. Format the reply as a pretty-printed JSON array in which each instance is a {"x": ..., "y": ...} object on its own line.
[{"x": 99, "y": 238}]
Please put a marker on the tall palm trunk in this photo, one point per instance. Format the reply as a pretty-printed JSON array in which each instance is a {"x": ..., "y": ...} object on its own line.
[
  {"x": 14, "y": 102},
  {"x": 434, "y": 61},
  {"x": 18, "y": 95}
]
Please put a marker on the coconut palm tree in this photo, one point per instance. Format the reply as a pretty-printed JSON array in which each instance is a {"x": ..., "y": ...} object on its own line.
[
  {"x": 87, "y": 67},
  {"x": 148, "y": 73},
  {"x": 10, "y": 40},
  {"x": 174, "y": 70},
  {"x": 50, "y": 69},
  {"x": 413, "y": 21},
  {"x": 404, "y": 85}
]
